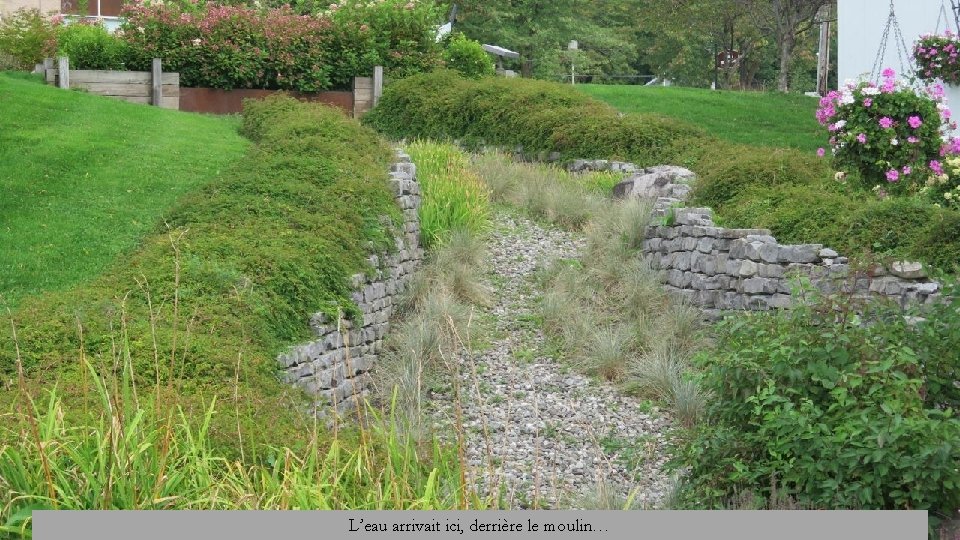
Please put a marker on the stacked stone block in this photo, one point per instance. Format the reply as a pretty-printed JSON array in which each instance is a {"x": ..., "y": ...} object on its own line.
[
  {"x": 335, "y": 367},
  {"x": 720, "y": 269}
]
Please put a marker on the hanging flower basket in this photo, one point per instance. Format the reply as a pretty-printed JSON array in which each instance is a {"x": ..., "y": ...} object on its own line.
[
  {"x": 894, "y": 134},
  {"x": 937, "y": 56}
]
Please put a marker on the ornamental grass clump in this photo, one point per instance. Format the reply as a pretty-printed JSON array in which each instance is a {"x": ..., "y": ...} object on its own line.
[
  {"x": 894, "y": 134},
  {"x": 937, "y": 57}
]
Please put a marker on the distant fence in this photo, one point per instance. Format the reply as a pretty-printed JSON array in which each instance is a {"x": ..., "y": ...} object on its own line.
[
  {"x": 147, "y": 87},
  {"x": 163, "y": 89}
]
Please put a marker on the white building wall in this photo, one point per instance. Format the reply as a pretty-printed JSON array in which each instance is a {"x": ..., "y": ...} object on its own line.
[{"x": 860, "y": 27}]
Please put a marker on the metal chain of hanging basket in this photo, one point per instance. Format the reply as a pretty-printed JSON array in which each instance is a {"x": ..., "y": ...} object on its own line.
[
  {"x": 944, "y": 17},
  {"x": 906, "y": 60}
]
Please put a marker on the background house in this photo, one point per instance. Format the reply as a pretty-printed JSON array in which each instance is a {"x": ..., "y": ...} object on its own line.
[
  {"x": 7, "y": 7},
  {"x": 103, "y": 10}
]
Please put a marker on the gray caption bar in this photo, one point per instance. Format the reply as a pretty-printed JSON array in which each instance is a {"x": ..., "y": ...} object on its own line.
[{"x": 450, "y": 524}]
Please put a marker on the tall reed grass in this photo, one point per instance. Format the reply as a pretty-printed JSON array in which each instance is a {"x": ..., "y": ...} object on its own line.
[
  {"x": 148, "y": 457},
  {"x": 453, "y": 196}
]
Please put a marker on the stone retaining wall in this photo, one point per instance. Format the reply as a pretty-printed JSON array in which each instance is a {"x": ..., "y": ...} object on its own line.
[
  {"x": 720, "y": 269},
  {"x": 335, "y": 366}
]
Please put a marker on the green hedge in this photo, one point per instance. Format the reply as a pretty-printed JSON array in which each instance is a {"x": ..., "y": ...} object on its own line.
[
  {"x": 260, "y": 250},
  {"x": 539, "y": 116}
]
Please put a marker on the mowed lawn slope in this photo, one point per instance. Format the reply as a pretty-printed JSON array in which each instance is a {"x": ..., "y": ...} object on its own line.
[
  {"x": 83, "y": 178},
  {"x": 756, "y": 118}
]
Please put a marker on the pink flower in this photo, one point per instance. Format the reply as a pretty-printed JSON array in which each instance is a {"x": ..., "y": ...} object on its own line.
[
  {"x": 821, "y": 152},
  {"x": 912, "y": 140},
  {"x": 888, "y": 87},
  {"x": 936, "y": 167},
  {"x": 867, "y": 102},
  {"x": 889, "y": 73},
  {"x": 862, "y": 138},
  {"x": 907, "y": 170},
  {"x": 886, "y": 122},
  {"x": 893, "y": 175},
  {"x": 915, "y": 122}
]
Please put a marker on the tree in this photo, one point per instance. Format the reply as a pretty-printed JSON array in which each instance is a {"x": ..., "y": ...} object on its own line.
[
  {"x": 786, "y": 20},
  {"x": 541, "y": 29}
]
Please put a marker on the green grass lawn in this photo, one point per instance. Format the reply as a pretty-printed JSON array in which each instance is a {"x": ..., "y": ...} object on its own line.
[
  {"x": 83, "y": 178},
  {"x": 762, "y": 119}
]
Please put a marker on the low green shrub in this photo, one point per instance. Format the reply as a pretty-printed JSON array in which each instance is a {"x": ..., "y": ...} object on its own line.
[
  {"x": 726, "y": 170},
  {"x": 940, "y": 242},
  {"x": 467, "y": 57},
  {"x": 891, "y": 227},
  {"x": 796, "y": 214},
  {"x": 833, "y": 409},
  {"x": 539, "y": 116},
  {"x": 27, "y": 37},
  {"x": 90, "y": 46}
]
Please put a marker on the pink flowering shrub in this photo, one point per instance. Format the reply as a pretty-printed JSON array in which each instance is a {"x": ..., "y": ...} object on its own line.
[
  {"x": 891, "y": 133},
  {"x": 937, "y": 57},
  {"x": 234, "y": 46},
  {"x": 227, "y": 47}
]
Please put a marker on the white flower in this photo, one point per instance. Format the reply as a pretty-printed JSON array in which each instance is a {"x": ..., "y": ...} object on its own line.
[
  {"x": 846, "y": 98},
  {"x": 894, "y": 142},
  {"x": 840, "y": 124},
  {"x": 871, "y": 91}
]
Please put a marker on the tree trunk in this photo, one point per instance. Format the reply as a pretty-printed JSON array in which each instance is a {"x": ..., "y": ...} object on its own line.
[
  {"x": 787, "y": 45},
  {"x": 526, "y": 69}
]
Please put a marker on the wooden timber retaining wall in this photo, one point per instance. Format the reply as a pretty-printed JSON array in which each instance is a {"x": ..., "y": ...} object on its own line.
[
  {"x": 147, "y": 87},
  {"x": 163, "y": 89}
]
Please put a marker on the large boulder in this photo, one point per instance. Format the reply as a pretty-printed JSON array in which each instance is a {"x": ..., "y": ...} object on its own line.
[{"x": 654, "y": 182}]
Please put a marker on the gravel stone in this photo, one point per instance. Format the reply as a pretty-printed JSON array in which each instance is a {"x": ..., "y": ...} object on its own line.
[{"x": 542, "y": 433}]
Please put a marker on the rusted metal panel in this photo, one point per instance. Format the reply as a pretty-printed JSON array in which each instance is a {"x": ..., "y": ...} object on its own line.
[{"x": 210, "y": 100}]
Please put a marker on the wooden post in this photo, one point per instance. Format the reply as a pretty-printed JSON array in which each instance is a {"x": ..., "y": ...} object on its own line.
[
  {"x": 63, "y": 75},
  {"x": 377, "y": 84},
  {"x": 157, "y": 93}
]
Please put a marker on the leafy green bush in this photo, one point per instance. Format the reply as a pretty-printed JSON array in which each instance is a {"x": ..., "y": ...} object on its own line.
[
  {"x": 537, "y": 115},
  {"x": 453, "y": 196},
  {"x": 28, "y": 37},
  {"x": 835, "y": 410},
  {"x": 90, "y": 46},
  {"x": 467, "y": 57}
]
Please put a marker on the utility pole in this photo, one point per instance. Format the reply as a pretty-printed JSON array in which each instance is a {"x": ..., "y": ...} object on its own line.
[
  {"x": 823, "y": 56},
  {"x": 572, "y": 47}
]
